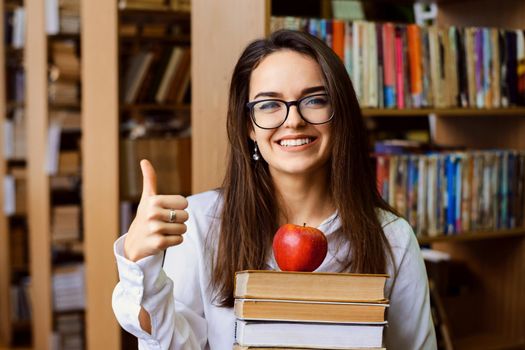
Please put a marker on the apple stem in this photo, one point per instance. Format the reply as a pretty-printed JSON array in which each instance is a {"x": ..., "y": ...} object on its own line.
[{"x": 304, "y": 224}]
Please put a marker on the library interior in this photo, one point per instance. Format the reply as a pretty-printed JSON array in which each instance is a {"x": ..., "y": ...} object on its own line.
[{"x": 88, "y": 88}]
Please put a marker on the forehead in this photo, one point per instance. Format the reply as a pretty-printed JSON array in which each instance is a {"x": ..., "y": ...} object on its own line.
[{"x": 286, "y": 72}]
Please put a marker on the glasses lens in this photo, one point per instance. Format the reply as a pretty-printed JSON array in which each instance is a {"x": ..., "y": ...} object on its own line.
[
  {"x": 316, "y": 109},
  {"x": 269, "y": 114}
]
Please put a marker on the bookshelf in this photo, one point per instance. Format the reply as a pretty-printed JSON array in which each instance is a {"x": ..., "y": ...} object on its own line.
[
  {"x": 122, "y": 34},
  {"x": 15, "y": 321},
  {"x": 54, "y": 181},
  {"x": 489, "y": 316}
]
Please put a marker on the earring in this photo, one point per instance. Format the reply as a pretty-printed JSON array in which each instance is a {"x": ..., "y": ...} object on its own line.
[{"x": 256, "y": 156}]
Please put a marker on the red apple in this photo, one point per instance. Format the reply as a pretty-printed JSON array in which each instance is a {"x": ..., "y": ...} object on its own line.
[{"x": 299, "y": 248}]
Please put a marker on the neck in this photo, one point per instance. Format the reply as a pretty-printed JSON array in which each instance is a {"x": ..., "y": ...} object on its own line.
[{"x": 303, "y": 199}]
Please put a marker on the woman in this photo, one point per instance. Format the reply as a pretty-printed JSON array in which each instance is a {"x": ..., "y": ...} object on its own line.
[{"x": 298, "y": 153}]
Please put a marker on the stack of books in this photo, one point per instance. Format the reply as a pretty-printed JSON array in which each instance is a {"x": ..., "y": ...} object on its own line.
[
  {"x": 65, "y": 223},
  {"x": 69, "y": 288},
  {"x": 69, "y": 332},
  {"x": 64, "y": 73},
  {"x": 309, "y": 310}
]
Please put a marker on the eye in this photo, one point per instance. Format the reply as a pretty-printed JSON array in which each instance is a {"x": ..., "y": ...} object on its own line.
[
  {"x": 315, "y": 102},
  {"x": 268, "y": 106}
]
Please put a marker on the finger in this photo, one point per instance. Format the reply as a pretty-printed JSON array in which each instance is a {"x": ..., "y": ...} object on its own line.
[
  {"x": 167, "y": 229},
  {"x": 162, "y": 214},
  {"x": 169, "y": 241},
  {"x": 171, "y": 202},
  {"x": 149, "y": 179},
  {"x": 180, "y": 216}
]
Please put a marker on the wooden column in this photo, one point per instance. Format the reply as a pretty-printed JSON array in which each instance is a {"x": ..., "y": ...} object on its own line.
[
  {"x": 35, "y": 58},
  {"x": 219, "y": 32},
  {"x": 5, "y": 269},
  {"x": 100, "y": 135}
]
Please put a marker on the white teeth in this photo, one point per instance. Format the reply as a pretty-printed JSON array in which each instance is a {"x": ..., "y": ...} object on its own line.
[{"x": 296, "y": 142}]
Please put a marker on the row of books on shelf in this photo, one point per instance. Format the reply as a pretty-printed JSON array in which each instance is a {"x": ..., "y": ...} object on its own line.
[
  {"x": 64, "y": 126},
  {"x": 62, "y": 16},
  {"x": 66, "y": 223},
  {"x": 309, "y": 310},
  {"x": 64, "y": 73},
  {"x": 176, "y": 5},
  {"x": 15, "y": 192},
  {"x": 412, "y": 66},
  {"x": 15, "y": 135},
  {"x": 69, "y": 332},
  {"x": 14, "y": 27},
  {"x": 69, "y": 288},
  {"x": 160, "y": 75},
  {"x": 171, "y": 157},
  {"x": 20, "y": 300},
  {"x": 15, "y": 82},
  {"x": 455, "y": 192},
  {"x": 18, "y": 248}
]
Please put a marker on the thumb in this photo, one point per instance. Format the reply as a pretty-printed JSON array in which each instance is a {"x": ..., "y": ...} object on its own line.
[{"x": 149, "y": 179}]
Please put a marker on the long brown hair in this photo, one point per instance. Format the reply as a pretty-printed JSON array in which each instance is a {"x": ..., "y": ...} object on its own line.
[{"x": 249, "y": 212}]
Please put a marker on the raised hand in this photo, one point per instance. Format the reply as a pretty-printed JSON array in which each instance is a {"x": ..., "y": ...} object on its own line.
[{"x": 159, "y": 222}]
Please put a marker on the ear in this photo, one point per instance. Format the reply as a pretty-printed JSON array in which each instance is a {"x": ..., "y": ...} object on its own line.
[{"x": 251, "y": 131}]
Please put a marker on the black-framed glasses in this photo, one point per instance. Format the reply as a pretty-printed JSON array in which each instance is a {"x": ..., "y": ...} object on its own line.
[{"x": 272, "y": 113}]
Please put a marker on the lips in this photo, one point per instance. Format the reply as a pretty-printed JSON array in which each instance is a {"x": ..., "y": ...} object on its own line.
[{"x": 295, "y": 141}]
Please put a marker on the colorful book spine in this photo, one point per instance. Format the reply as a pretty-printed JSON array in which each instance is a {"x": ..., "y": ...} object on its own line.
[
  {"x": 400, "y": 88},
  {"x": 414, "y": 58},
  {"x": 389, "y": 70},
  {"x": 339, "y": 38}
]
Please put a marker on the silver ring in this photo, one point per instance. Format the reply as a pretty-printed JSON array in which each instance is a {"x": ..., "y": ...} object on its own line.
[{"x": 171, "y": 216}]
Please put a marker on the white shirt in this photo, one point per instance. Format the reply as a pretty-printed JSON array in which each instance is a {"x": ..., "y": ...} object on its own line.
[{"x": 178, "y": 296}]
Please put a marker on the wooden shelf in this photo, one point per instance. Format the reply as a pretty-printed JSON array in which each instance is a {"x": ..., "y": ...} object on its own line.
[
  {"x": 13, "y": 5},
  {"x": 14, "y": 104},
  {"x": 64, "y": 36},
  {"x": 153, "y": 15},
  {"x": 22, "y": 325},
  {"x": 154, "y": 107},
  {"x": 56, "y": 106},
  {"x": 16, "y": 162},
  {"x": 179, "y": 39},
  {"x": 474, "y": 236},
  {"x": 10, "y": 50},
  {"x": 488, "y": 342},
  {"x": 445, "y": 112}
]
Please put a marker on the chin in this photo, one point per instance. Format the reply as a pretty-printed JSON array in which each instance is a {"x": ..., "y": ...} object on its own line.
[{"x": 296, "y": 167}]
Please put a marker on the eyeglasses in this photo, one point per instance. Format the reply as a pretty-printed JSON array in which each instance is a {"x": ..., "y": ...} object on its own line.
[{"x": 272, "y": 113}]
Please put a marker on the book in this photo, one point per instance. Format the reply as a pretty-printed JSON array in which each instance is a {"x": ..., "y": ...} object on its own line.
[
  {"x": 308, "y": 335},
  {"x": 309, "y": 311},
  {"x": 239, "y": 347},
  {"x": 312, "y": 286}
]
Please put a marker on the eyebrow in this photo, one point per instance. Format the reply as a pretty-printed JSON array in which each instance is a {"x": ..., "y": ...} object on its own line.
[{"x": 304, "y": 92}]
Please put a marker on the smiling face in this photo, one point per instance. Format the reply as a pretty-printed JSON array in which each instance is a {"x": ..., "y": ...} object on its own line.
[{"x": 296, "y": 147}]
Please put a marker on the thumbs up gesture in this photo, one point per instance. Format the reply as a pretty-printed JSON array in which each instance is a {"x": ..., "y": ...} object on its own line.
[{"x": 159, "y": 222}]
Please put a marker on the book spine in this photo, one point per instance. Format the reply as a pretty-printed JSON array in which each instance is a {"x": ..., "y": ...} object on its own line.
[
  {"x": 400, "y": 89},
  {"x": 414, "y": 56}
]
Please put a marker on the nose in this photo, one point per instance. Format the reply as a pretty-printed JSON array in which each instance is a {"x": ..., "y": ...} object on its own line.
[{"x": 294, "y": 119}]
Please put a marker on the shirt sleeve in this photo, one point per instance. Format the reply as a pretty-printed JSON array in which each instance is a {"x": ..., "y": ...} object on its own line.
[
  {"x": 410, "y": 323},
  {"x": 175, "y": 324}
]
